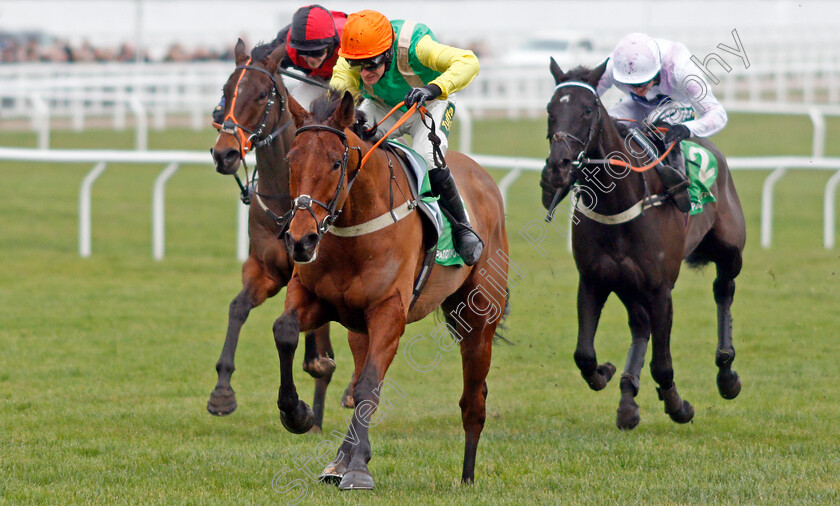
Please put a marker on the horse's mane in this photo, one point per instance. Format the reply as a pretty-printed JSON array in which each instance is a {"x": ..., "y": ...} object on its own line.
[
  {"x": 579, "y": 73},
  {"x": 324, "y": 107},
  {"x": 262, "y": 50}
]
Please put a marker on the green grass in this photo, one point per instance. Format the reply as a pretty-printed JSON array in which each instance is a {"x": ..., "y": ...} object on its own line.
[{"x": 107, "y": 362}]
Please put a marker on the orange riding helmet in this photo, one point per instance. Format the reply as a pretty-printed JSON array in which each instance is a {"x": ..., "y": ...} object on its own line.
[{"x": 366, "y": 34}]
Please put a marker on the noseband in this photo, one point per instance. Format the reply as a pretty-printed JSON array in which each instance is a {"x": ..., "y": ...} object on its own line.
[{"x": 305, "y": 202}]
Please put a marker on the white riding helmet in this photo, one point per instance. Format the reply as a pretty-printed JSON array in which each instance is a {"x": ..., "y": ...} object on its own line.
[{"x": 636, "y": 59}]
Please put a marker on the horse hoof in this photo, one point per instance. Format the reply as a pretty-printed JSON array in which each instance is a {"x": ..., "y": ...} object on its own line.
[
  {"x": 729, "y": 384},
  {"x": 603, "y": 375},
  {"x": 319, "y": 367},
  {"x": 333, "y": 473},
  {"x": 300, "y": 420},
  {"x": 356, "y": 480},
  {"x": 627, "y": 417},
  {"x": 222, "y": 401},
  {"x": 684, "y": 414}
]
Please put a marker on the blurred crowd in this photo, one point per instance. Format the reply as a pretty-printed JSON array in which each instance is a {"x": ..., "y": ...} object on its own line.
[
  {"x": 38, "y": 47},
  {"x": 35, "y": 47}
]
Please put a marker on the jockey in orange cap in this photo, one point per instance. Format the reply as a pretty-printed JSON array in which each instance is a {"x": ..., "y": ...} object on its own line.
[{"x": 385, "y": 63}]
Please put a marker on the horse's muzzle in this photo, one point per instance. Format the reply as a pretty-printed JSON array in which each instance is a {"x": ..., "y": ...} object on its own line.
[
  {"x": 304, "y": 250},
  {"x": 227, "y": 160}
]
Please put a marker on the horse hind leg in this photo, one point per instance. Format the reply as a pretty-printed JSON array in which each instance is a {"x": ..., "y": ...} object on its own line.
[
  {"x": 319, "y": 363},
  {"x": 728, "y": 382},
  {"x": 627, "y": 415},
  {"x": 474, "y": 328},
  {"x": 590, "y": 302}
]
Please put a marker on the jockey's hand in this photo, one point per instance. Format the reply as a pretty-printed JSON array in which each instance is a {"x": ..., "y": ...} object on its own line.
[
  {"x": 677, "y": 133},
  {"x": 419, "y": 96}
]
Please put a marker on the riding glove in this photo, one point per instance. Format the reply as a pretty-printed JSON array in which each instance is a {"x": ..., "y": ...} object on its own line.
[
  {"x": 419, "y": 96},
  {"x": 677, "y": 133}
]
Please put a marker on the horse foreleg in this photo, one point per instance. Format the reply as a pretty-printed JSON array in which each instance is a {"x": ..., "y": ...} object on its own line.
[
  {"x": 256, "y": 288},
  {"x": 590, "y": 302},
  {"x": 728, "y": 382},
  {"x": 301, "y": 310},
  {"x": 386, "y": 323},
  {"x": 627, "y": 416},
  {"x": 661, "y": 312}
]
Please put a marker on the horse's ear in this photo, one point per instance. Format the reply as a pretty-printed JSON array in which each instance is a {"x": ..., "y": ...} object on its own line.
[
  {"x": 345, "y": 114},
  {"x": 558, "y": 74},
  {"x": 299, "y": 114},
  {"x": 596, "y": 73},
  {"x": 273, "y": 60},
  {"x": 239, "y": 53}
]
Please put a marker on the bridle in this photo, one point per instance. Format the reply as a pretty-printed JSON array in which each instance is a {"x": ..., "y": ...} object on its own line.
[
  {"x": 564, "y": 137},
  {"x": 305, "y": 202},
  {"x": 232, "y": 126}
]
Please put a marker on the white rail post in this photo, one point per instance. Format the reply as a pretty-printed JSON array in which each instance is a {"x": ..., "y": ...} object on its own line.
[
  {"x": 84, "y": 209},
  {"x": 818, "y": 144},
  {"x": 767, "y": 206},
  {"x": 506, "y": 181},
  {"x": 828, "y": 210},
  {"x": 41, "y": 120},
  {"x": 141, "y": 124},
  {"x": 242, "y": 242},
  {"x": 158, "y": 211}
]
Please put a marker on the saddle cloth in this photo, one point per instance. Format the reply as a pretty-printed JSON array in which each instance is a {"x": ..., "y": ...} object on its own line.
[{"x": 418, "y": 177}]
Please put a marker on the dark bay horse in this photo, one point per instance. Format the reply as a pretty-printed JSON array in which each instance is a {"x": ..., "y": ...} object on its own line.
[
  {"x": 638, "y": 258},
  {"x": 364, "y": 280},
  {"x": 257, "y": 116}
]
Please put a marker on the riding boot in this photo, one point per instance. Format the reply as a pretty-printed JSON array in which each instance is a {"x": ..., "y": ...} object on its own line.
[
  {"x": 467, "y": 242},
  {"x": 675, "y": 179}
]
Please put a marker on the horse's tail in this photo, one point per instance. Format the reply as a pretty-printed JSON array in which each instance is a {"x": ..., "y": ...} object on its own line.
[{"x": 501, "y": 328}]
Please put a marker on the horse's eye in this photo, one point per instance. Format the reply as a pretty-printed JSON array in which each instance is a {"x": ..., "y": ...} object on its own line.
[
  {"x": 336, "y": 165},
  {"x": 263, "y": 95},
  {"x": 588, "y": 110}
]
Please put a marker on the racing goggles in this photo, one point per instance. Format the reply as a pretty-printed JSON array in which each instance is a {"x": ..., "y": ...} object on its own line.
[
  {"x": 313, "y": 53},
  {"x": 370, "y": 64}
]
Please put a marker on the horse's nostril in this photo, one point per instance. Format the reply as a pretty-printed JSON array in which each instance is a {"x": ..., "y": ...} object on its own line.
[
  {"x": 231, "y": 155},
  {"x": 310, "y": 241}
]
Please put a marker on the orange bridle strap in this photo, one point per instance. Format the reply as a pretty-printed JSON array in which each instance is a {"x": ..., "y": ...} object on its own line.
[{"x": 244, "y": 141}]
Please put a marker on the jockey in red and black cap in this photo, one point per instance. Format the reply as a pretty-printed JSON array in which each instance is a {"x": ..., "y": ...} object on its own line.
[
  {"x": 314, "y": 33},
  {"x": 312, "y": 41}
]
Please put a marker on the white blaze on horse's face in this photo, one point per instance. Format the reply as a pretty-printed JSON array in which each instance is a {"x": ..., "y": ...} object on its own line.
[{"x": 564, "y": 98}]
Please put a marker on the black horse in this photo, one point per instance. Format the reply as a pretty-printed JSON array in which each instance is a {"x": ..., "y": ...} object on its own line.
[{"x": 628, "y": 238}]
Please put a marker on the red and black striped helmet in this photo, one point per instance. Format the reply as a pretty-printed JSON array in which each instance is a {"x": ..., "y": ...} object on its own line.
[{"x": 312, "y": 30}]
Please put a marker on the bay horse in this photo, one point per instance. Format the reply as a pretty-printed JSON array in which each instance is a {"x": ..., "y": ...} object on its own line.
[
  {"x": 638, "y": 259},
  {"x": 257, "y": 116},
  {"x": 365, "y": 280}
]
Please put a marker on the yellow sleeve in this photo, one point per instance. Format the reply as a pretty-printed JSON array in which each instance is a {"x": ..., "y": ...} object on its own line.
[
  {"x": 344, "y": 78},
  {"x": 459, "y": 66}
]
